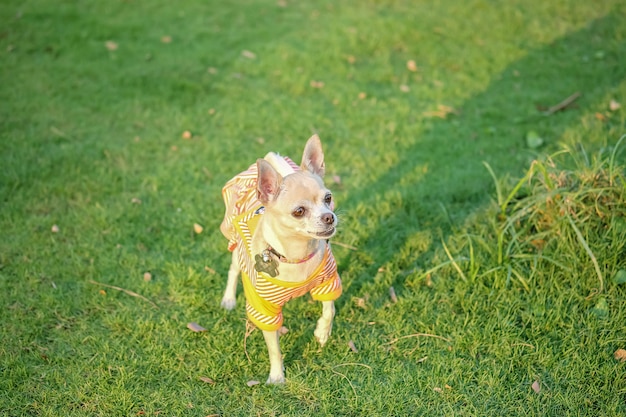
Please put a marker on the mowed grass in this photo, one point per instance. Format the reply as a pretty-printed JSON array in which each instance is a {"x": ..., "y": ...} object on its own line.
[{"x": 496, "y": 289}]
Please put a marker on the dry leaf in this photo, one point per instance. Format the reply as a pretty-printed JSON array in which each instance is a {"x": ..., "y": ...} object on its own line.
[
  {"x": 362, "y": 96},
  {"x": 536, "y": 387},
  {"x": 600, "y": 117},
  {"x": 252, "y": 383},
  {"x": 212, "y": 70},
  {"x": 166, "y": 39},
  {"x": 111, "y": 46},
  {"x": 186, "y": 134},
  {"x": 197, "y": 228},
  {"x": 195, "y": 327},
  {"x": 351, "y": 59},
  {"x": 248, "y": 54},
  {"x": 281, "y": 3},
  {"x": 147, "y": 276},
  {"x": 135, "y": 200},
  {"x": 442, "y": 111},
  {"x": 209, "y": 269},
  {"x": 437, "y": 389},
  {"x": 405, "y": 88},
  {"x": 55, "y": 229},
  {"x": 392, "y": 294},
  {"x": 360, "y": 302},
  {"x": 620, "y": 355},
  {"x": 614, "y": 105},
  {"x": 103, "y": 292},
  {"x": 283, "y": 330},
  {"x": 411, "y": 65},
  {"x": 207, "y": 380},
  {"x": 317, "y": 84},
  {"x": 353, "y": 347},
  {"x": 211, "y": 111}
]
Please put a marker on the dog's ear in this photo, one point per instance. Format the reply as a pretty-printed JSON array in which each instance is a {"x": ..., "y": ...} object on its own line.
[
  {"x": 313, "y": 157},
  {"x": 268, "y": 183}
]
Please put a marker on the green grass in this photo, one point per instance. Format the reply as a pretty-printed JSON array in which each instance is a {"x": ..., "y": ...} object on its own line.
[{"x": 499, "y": 283}]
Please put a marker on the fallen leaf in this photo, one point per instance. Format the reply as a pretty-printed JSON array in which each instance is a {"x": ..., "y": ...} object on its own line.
[
  {"x": 281, "y": 3},
  {"x": 392, "y": 294},
  {"x": 533, "y": 140},
  {"x": 111, "y": 46},
  {"x": 211, "y": 111},
  {"x": 614, "y": 105},
  {"x": 601, "y": 309},
  {"x": 209, "y": 269},
  {"x": 166, "y": 39},
  {"x": 600, "y": 117},
  {"x": 411, "y": 65},
  {"x": 352, "y": 347},
  {"x": 351, "y": 59},
  {"x": 405, "y": 88},
  {"x": 212, "y": 70},
  {"x": 147, "y": 276},
  {"x": 536, "y": 387},
  {"x": 197, "y": 228},
  {"x": 442, "y": 111},
  {"x": 207, "y": 380},
  {"x": 283, "y": 330},
  {"x": 248, "y": 54},
  {"x": 362, "y": 96},
  {"x": 317, "y": 84},
  {"x": 252, "y": 383},
  {"x": 620, "y": 355},
  {"x": 135, "y": 200},
  {"x": 195, "y": 327},
  {"x": 620, "y": 277},
  {"x": 55, "y": 229},
  {"x": 437, "y": 389},
  {"x": 447, "y": 387},
  {"x": 186, "y": 134},
  {"x": 360, "y": 302}
]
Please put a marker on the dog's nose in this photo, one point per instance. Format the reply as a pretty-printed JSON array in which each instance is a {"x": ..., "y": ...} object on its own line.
[{"x": 328, "y": 218}]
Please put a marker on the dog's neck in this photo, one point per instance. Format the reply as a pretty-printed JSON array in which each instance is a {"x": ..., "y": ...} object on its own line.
[{"x": 293, "y": 249}]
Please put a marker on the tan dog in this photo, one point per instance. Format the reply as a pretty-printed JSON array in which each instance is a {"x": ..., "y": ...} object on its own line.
[{"x": 278, "y": 220}]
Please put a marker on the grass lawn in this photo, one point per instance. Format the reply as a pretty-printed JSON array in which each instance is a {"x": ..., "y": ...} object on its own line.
[{"x": 446, "y": 156}]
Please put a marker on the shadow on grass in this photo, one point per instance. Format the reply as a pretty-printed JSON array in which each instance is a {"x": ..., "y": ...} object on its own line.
[{"x": 490, "y": 126}]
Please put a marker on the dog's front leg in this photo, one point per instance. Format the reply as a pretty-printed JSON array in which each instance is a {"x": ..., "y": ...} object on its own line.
[
  {"x": 325, "y": 323},
  {"x": 277, "y": 373}
]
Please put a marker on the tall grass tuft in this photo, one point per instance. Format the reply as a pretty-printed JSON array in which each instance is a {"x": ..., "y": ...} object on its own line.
[{"x": 565, "y": 217}]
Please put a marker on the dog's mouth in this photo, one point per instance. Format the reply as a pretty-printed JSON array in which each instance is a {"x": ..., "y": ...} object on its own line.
[{"x": 325, "y": 234}]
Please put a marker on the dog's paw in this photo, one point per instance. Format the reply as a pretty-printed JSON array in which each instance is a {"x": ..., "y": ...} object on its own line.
[
  {"x": 322, "y": 332},
  {"x": 276, "y": 379},
  {"x": 228, "y": 303}
]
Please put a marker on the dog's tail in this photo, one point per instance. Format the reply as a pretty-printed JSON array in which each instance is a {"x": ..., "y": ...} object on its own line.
[{"x": 279, "y": 163}]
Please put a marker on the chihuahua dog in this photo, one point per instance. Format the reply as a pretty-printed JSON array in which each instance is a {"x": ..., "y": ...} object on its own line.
[{"x": 278, "y": 220}]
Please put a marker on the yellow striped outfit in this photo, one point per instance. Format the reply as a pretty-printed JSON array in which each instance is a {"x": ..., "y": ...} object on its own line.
[{"x": 265, "y": 295}]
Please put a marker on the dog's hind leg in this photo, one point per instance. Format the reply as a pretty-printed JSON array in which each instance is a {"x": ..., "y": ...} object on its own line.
[{"x": 230, "y": 294}]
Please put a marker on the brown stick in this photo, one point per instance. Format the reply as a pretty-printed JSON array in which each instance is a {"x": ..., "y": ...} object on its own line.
[
  {"x": 131, "y": 293},
  {"x": 562, "y": 105},
  {"x": 417, "y": 335}
]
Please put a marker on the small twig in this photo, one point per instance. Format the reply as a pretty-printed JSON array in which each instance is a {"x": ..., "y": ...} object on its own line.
[
  {"x": 131, "y": 293},
  {"x": 562, "y": 105},
  {"x": 249, "y": 329},
  {"x": 344, "y": 245},
  {"x": 416, "y": 335}
]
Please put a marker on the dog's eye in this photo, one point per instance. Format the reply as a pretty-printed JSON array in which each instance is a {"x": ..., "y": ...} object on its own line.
[
  {"x": 299, "y": 212},
  {"x": 328, "y": 199}
]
